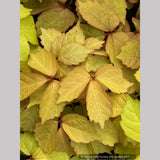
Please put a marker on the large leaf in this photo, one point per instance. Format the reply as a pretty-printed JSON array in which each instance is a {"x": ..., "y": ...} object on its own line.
[
  {"x": 30, "y": 82},
  {"x": 112, "y": 77},
  {"x": 73, "y": 85},
  {"x": 27, "y": 143},
  {"x": 130, "y": 54},
  {"x": 109, "y": 134},
  {"x": 28, "y": 118},
  {"x": 98, "y": 13},
  {"x": 48, "y": 36},
  {"x": 43, "y": 61},
  {"x": 60, "y": 18},
  {"x": 24, "y": 12},
  {"x": 40, "y": 155},
  {"x": 63, "y": 143},
  {"x": 73, "y": 53},
  {"x": 48, "y": 107},
  {"x": 118, "y": 101},
  {"x": 94, "y": 147},
  {"x": 99, "y": 104},
  {"x": 131, "y": 119},
  {"x": 79, "y": 129},
  {"x": 45, "y": 135}
]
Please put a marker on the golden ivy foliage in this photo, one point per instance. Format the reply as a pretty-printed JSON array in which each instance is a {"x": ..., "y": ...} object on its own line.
[{"x": 79, "y": 78}]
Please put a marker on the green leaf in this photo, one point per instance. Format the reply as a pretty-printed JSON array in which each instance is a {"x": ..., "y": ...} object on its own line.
[
  {"x": 45, "y": 135},
  {"x": 99, "y": 103},
  {"x": 137, "y": 75},
  {"x": 109, "y": 134},
  {"x": 48, "y": 36},
  {"x": 27, "y": 29},
  {"x": 48, "y": 107},
  {"x": 40, "y": 155},
  {"x": 27, "y": 143},
  {"x": 24, "y": 67},
  {"x": 30, "y": 82},
  {"x": 24, "y": 12},
  {"x": 93, "y": 43},
  {"x": 78, "y": 128},
  {"x": 130, "y": 54},
  {"x": 73, "y": 85},
  {"x": 43, "y": 61},
  {"x": 90, "y": 31},
  {"x": 24, "y": 49},
  {"x": 112, "y": 77},
  {"x": 94, "y": 147},
  {"x": 28, "y": 118},
  {"x": 62, "y": 143},
  {"x": 118, "y": 101},
  {"x": 59, "y": 18},
  {"x": 73, "y": 53},
  {"x": 130, "y": 122},
  {"x": 97, "y": 13}
]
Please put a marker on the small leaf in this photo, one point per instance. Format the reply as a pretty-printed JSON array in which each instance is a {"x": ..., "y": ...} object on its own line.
[
  {"x": 59, "y": 18},
  {"x": 112, "y": 77},
  {"x": 130, "y": 54},
  {"x": 130, "y": 122},
  {"x": 28, "y": 118},
  {"x": 99, "y": 103},
  {"x": 73, "y": 85},
  {"x": 30, "y": 82},
  {"x": 40, "y": 155},
  {"x": 109, "y": 134},
  {"x": 48, "y": 107},
  {"x": 43, "y": 61},
  {"x": 48, "y": 36},
  {"x": 93, "y": 43},
  {"x": 62, "y": 143},
  {"x": 24, "y": 12},
  {"x": 27, "y": 143},
  {"x": 73, "y": 53},
  {"x": 24, "y": 67},
  {"x": 45, "y": 135},
  {"x": 136, "y": 23},
  {"x": 137, "y": 75},
  {"x": 78, "y": 128}
]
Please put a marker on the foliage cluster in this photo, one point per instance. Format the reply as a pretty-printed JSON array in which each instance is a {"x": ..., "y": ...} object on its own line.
[{"x": 79, "y": 78}]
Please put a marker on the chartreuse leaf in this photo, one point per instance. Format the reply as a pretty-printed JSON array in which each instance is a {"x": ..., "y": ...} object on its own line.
[
  {"x": 137, "y": 75},
  {"x": 27, "y": 29},
  {"x": 35, "y": 97},
  {"x": 24, "y": 12},
  {"x": 98, "y": 13},
  {"x": 24, "y": 67},
  {"x": 27, "y": 143},
  {"x": 24, "y": 48},
  {"x": 28, "y": 118},
  {"x": 48, "y": 107},
  {"x": 130, "y": 54},
  {"x": 93, "y": 43},
  {"x": 40, "y": 155},
  {"x": 128, "y": 74},
  {"x": 90, "y": 31},
  {"x": 112, "y": 77},
  {"x": 130, "y": 122},
  {"x": 93, "y": 62},
  {"x": 73, "y": 53},
  {"x": 45, "y": 135},
  {"x": 62, "y": 143},
  {"x": 30, "y": 82},
  {"x": 99, "y": 103},
  {"x": 138, "y": 158},
  {"x": 109, "y": 134},
  {"x": 48, "y": 36},
  {"x": 59, "y": 17},
  {"x": 43, "y": 61},
  {"x": 94, "y": 147},
  {"x": 79, "y": 129},
  {"x": 73, "y": 85},
  {"x": 113, "y": 46},
  {"x": 118, "y": 101}
]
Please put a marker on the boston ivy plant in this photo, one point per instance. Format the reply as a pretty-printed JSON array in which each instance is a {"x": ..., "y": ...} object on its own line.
[{"x": 79, "y": 79}]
